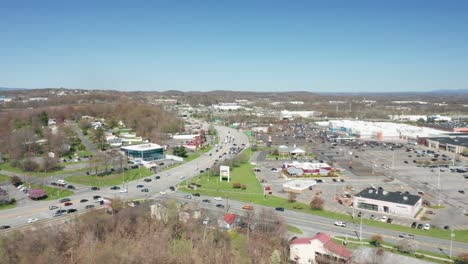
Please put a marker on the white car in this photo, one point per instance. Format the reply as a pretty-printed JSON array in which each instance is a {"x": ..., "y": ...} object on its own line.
[
  {"x": 181, "y": 177},
  {"x": 123, "y": 191},
  {"x": 218, "y": 199},
  {"x": 383, "y": 219},
  {"x": 427, "y": 227},
  {"x": 32, "y": 220},
  {"x": 339, "y": 223},
  {"x": 162, "y": 192},
  {"x": 20, "y": 186}
]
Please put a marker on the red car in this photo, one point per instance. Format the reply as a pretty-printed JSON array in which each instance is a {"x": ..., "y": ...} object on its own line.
[
  {"x": 268, "y": 188},
  {"x": 68, "y": 204}
]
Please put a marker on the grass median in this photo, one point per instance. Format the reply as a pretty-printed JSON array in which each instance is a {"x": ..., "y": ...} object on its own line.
[
  {"x": 111, "y": 179},
  {"x": 4, "y": 178},
  {"x": 52, "y": 192}
]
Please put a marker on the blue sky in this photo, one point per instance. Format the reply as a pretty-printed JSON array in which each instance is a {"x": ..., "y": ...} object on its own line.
[{"x": 318, "y": 46}]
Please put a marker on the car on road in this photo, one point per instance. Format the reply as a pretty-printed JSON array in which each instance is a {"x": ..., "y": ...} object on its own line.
[
  {"x": 383, "y": 219},
  {"x": 319, "y": 181},
  {"x": 95, "y": 197},
  {"x": 4, "y": 227},
  {"x": 218, "y": 199},
  {"x": 157, "y": 177},
  {"x": 461, "y": 191},
  {"x": 162, "y": 192},
  {"x": 145, "y": 190},
  {"x": 447, "y": 227},
  {"x": 280, "y": 209},
  {"x": 83, "y": 200},
  {"x": 247, "y": 207},
  {"x": 94, "y": 188},
  {"x": 334, "y": 180},
  {"x": 71, "y": 187},
  {"x": 140, "y": 186},
  {"x": 172, "y": 188},
  {"x": 420, "y": 226},
  {"x": 202, "y": 171},
  {"x": 68, "y": 204},
  {"x": 188, "y": 196},
  {"x": 115, "y": 188},
  {"x": 181, "y": 177},
  {"x": 60, "y": 211},
  {"x": 414, "y": 224},
  {"x": 147, "y": 180},
  {"x": 89, "y": 206},
  {"x": 342, "y": 180},
  {"x": 53, "y": 207},
  {"x": 32, "y": 220},
  {"x": 71, "y": 210},
  {"x": 407, "y": 236},
  {"x": 64, "y": 200},
  {"x": 123, "y": 191},
  {"x": 206, "y": 201},
  {"x": 220, "y": 206},
  {"x": 196, "y": 194},
  {"x": 427, "y": 227},
  {"x": 339, "y": 223}
]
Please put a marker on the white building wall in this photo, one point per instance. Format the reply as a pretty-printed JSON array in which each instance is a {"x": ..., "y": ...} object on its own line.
[
  {"x": 306, "y": 252},
  {"x": 393, "y": 208}
]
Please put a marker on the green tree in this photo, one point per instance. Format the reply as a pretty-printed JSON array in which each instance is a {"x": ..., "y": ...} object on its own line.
[
  {"x": 179, "y": 151},
  {"x": 44, "y": 118}
]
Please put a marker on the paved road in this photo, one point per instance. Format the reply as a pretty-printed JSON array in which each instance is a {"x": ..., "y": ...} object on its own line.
[
  {"x": 19, "y": 215},
  {"x": 89, "y": 146}
]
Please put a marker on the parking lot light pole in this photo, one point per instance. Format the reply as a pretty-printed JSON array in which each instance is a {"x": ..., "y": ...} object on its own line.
[{"x": 360, "y": 229}]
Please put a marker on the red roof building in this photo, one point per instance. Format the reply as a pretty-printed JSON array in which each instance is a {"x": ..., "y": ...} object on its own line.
[
  {"x": 318, "y": 249},
  {"x": 37, "y": 194}
]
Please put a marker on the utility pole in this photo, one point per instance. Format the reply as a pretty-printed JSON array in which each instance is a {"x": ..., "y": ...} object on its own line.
[{"x": 452, "y": 235}]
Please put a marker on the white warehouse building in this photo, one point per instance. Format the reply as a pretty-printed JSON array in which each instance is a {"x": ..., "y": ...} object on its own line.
[{"x": 381, "y": 201}]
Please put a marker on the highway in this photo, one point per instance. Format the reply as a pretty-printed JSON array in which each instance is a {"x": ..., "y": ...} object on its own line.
[{"x": 310, "y": 224}]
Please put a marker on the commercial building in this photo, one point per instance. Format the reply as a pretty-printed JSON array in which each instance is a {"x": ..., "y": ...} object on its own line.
[
  {"x": 298, "y": 186},
  {"x": 382, "y": 201},
  {"x": 227, "y": 107},
  {"x": 285, "y": 114},
  {"x": 308, "y": 168},
  {"x": 318, "y": 249},
  {"x": 145, "y": 152},
  {"x": 450, "y": 144}
]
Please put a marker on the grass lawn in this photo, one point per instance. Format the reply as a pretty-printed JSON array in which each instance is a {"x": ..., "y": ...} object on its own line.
[
  {"x": 111, "y": 179},
  {"x": 52, "y": 192},
  {"x": 4, "y": 178},
  {"x": 211, "y": 186},
  {"x": 205, "y": 149},
  {"x": 7, "y": 167},
  {"x": 366, "y": 243},
  {"x": 192, "y": 156},
  {"x": 294, "y": 229},
  {"x": 7, "y": 206},
  {"x": 82, "y": 153}
]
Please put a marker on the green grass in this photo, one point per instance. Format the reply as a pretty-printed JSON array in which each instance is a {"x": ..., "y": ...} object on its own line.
[
  {"x": 82, "y": 153},
  {"x": 294, "y": 229},
  {"x": 7, "y": 167},
  {"x": 4, "y": 178},
  {"x": 52, "y": 192},
  {"x": 7, "y": 206},
  {"x": 192, "y": 156},
  {"x": 368, "y": 244},
  {"x": 111, "y": 179},
  {"x": 205, "y": 149}
]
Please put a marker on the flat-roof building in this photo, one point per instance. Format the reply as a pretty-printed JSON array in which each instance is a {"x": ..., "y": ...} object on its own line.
[
  {"x": 382, "y": 201},
  {"x": 145, "y": 152}
]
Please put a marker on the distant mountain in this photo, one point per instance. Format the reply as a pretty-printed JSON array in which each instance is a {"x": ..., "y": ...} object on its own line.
[
  {"x": 435, "y": 92},
  {"x": 451, "y": 92},
  {"x": 10, "y": 89}
]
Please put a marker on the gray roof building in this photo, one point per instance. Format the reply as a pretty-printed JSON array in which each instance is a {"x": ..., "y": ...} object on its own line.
[{"x": 386, "y": 196}]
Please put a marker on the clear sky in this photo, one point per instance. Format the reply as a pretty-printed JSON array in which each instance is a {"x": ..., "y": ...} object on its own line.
[{"x": 271, "y": 45}]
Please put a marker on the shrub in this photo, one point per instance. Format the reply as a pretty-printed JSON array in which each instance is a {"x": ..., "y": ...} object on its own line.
[
  {"x": 298, "y": 206},
  {"x": 30, "y": 165},
  {"x": 236, "y": 185},
  {"x": 419, "y": 256},
  {"x": 244, "y": 186},
  {"x": 376, "y": 240},
  {"x": 406, "y": 246}
]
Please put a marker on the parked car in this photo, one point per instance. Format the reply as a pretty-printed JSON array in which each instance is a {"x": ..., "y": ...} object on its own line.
[
  {"x": 5, "y": 227},
  {"x": 71, "y": 210},
  {"x": 64, "y": 200},
  {"x": 359, "y": 214},
  {"x": 414, "y": 224},
  {"x": 220, "y": 206},
  {"x": 218, "y": 199},
  {"x": 461, "y": 191},
  {"x": 123, "y": 191},
  {"x": 115, "y": 188},
  {"x": 68, "y": 204},
  {"x": 145, "y": 190},
  {"x": 187, "y": 196},
  {"x": 420, "y": 226},
  {"x": 83, "y": 200},
  {"x": 281, "y": 209},
  {"x": 162, "y": 192},
  {"x": 89, "y": 206},
  {"x": 94, "y": 188},
  {"x": 206, "y": 201},
  {"x": 390, "y": 220},
  {"x": 427, "y": 227},
  {"x": 383, "y": 219},
  {"x": 147, "y": 180},
  {"x": 53, "y": 207},
  {"x": 196, "y": 194},
  {"x": 339, "y": 223},
  {"x": 446, "y": 227},
  {"x": 172, "y": 188},
  {"x": 372, "y": 217},
  {"x": 70, "y": 187},
  {"x": 157, "y": 177},
  {"x": 95, "y": 197},
  {"x": 140, "y": 186}
]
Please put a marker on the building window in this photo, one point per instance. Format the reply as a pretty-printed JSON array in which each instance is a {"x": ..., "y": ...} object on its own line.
[{"x": 368, "y": 206}]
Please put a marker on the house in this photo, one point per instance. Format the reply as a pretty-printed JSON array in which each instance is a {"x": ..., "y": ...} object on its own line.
[
  {"x": 283, "y": 150},
  {"x": 297, "y": 152},
  {"x": 228, "y": 221},
  {"x": 382, "y": 201},
  {"x": 318, "y": 249}
]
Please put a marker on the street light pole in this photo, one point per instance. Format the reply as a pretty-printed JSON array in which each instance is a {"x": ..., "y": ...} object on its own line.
[
  {"x": 360, "y": 230},
  {"x": 452, "y": 235}
]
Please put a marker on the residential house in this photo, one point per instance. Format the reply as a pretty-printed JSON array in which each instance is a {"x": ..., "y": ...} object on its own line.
[{"x": 318, "y": 250}]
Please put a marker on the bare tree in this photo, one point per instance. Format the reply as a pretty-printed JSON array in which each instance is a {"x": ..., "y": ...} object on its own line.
[
  {"x": 317, "y": 203},
  {"x": 407, "y": 246},
  {"x": 292, "y": 197}
]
